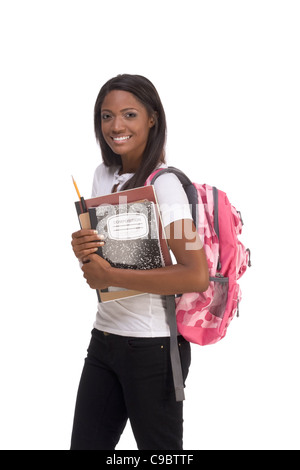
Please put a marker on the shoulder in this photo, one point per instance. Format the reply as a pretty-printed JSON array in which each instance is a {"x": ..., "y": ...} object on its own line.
[
  {"x": 172, "y": 199},
  {"x": 103, "y": 171},
  {"x": 103, "y": 178},
  {"x": 169, "y": 189},
  {"x": 168, "y": 179},
  {"x": 165, "y": 179}
]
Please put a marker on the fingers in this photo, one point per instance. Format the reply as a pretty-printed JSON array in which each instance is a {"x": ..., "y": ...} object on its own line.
[
  {"x": 86, "y": 239},
  {"x": 85, "y": 242},
  {"x": 95, "y": 271},
  {"x": 85, "y": 233},
  {"x": 83, "y": 253}
]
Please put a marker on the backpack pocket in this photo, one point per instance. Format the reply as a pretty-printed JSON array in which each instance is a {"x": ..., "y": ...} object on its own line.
[
  {"x": 218, "y": 305},
  {"x": 242, "y": 259}
]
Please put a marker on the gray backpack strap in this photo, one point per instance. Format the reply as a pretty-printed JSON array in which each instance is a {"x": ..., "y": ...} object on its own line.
[
  {"x": 171, "y": 305},
  {"x": 174, "y": 350},
  {"x": 216, "y": 220}
]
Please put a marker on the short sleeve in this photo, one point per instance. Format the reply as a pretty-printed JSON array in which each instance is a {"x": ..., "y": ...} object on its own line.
[{"x": 172, "y": 199}]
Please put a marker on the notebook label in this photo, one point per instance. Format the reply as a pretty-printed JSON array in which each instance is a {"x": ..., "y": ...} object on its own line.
[{"x": 128, "y": 226}]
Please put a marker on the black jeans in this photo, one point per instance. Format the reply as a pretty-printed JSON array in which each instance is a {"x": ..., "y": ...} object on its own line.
[{"x": 129, "y": 378}]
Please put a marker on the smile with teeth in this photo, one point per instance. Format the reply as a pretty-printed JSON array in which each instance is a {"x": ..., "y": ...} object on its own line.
[{"x": 121, "y": 139}]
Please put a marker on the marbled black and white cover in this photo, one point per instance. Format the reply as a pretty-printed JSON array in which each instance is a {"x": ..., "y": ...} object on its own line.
[{"x": 131, "y": 234}]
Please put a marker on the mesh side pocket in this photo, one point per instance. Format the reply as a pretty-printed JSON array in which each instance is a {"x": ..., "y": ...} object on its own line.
[{"x": 219, "y": 302}]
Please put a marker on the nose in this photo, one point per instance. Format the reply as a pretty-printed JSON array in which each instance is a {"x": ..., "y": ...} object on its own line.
[{"x": 118, "y": 125}]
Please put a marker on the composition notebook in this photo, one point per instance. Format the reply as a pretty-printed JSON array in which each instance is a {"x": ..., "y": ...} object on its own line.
[{"x": 133, "y": 233}]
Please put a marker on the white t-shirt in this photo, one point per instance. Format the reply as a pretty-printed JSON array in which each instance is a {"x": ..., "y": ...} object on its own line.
[{"x": 143, "y": 315}]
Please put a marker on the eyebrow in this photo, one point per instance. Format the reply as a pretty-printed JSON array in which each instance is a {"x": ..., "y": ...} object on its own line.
[{"x": 122, "y": 110}]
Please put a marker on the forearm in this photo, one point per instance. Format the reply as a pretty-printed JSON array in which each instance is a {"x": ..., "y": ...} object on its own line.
[
  {"x": 176, "y": 279},
  {"x": 190, "y": 274}
]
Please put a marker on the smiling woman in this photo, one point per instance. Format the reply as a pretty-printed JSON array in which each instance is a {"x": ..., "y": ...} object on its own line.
[
  {"x": 125, "y": 127},
  {"x": 143, "y": 97},
  {"x": 128, "y": 373}
]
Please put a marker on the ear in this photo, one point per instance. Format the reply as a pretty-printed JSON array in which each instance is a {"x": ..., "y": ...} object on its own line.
[{"x": 153, "y": 120}]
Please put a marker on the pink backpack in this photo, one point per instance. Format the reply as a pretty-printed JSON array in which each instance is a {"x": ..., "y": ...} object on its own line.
[{"x": 203, "y": 318}]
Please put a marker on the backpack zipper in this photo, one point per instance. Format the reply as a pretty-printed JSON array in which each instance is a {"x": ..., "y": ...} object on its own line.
[{"x": 219, "y": 278}]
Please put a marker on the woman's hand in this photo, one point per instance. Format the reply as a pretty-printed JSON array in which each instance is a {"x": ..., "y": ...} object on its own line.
[
  {"x": 85, "y": 242},
  {"x": 96, "y": 272}
]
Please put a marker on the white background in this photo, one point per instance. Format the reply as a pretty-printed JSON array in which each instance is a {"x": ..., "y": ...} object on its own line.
[{"x": 228, "y": 75}]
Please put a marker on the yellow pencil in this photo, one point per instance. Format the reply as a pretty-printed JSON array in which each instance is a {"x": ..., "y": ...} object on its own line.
[
  {"x": 81, "y": 199},
  {"x": 76, "y": 187}
]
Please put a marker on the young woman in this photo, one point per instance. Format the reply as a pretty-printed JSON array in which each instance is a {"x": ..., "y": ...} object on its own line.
[{"x": 127, "y": 372}]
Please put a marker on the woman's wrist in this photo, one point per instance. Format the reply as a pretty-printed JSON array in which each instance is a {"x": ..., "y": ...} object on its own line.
[{"x": 115, "y": 276}]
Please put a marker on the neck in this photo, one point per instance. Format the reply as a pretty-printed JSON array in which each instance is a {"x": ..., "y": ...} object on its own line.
[{"x": 129, "y": 166}]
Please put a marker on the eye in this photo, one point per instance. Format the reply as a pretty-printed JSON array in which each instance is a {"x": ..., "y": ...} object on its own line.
[
  {"x": 130, "y": 115},
  {"x": 105, "y": 116}
]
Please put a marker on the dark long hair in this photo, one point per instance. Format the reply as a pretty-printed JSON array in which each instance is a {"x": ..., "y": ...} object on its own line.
[{"x": 154, "y": 152}]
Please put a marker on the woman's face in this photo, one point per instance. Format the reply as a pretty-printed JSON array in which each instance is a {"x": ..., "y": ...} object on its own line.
[{"x": 125, "y": 125}]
